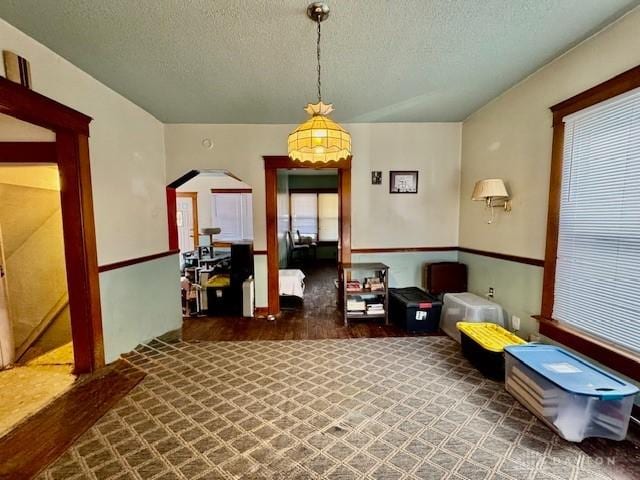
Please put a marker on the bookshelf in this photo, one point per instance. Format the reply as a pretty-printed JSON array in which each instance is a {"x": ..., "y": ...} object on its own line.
[{"x": 363, "y": 297}]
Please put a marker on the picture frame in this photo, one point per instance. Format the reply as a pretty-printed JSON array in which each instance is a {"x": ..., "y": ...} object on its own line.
[
  {"x": 376, "y": 177},
  {"x": 403, "y": 181}
]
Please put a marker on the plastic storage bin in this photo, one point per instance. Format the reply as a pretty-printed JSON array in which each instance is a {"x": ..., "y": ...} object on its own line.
[
  {"x": 573, "y": 397},
  {"x": 483, "y": 345},
  {"x": 414, "y": 309},
  {"x": 468, "y": 307}
]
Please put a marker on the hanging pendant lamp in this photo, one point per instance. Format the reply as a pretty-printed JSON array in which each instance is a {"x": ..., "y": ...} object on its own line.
[{"x": 319, "y": 139}]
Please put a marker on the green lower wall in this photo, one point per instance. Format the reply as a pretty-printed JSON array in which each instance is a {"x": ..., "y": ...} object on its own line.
[
  {"x": 139, "y": 302},
  {"x": 313, "y": 181},
  {"x": 517, "y": 287},
  {"x": 405, "y": 268}
]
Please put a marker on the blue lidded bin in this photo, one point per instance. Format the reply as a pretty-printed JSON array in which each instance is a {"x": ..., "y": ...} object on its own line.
[{"x": 574, "y": 397}]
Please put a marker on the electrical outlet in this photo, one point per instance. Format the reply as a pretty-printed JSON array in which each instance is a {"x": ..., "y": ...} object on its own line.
[
  {"x": 515, "y": 322},
  {"x": 491, "y": 292}
]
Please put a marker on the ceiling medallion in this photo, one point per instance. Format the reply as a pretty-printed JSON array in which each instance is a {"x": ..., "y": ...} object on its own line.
[{"x": 319, "y": 139}]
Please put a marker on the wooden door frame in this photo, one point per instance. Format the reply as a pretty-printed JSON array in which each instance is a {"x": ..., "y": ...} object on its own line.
[
  {"x": 70, "y": 152},
  {"x": 194, "y": 202},
  {"x": 271, "y": 165}
]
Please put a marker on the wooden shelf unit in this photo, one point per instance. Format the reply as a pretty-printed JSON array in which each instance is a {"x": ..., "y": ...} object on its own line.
[{"x": 358, "y": 271}]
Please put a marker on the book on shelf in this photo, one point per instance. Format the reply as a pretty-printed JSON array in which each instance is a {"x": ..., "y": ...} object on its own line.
[
  {"x": 353, "y": 286},
  {"x": 356, "y": 305},
  {"x": 374, "y": 284}
]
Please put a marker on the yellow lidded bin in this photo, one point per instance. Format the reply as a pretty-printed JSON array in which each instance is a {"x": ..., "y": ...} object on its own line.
[{"x": 483, "y": 345}]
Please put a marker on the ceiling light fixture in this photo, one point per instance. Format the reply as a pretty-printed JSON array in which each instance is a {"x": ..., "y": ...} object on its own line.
[{"x": 319, "y": 139}]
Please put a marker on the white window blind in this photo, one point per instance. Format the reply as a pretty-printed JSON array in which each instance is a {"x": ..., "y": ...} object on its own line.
[
  {"x": 597, "y": 284},
  {"x": 328, "y": 217},
  {"x": 233, "y": 213},
  {"x": 304, "y": 214}
]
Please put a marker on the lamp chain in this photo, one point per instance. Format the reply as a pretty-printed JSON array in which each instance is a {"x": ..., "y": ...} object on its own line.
[{"x": 318, "y": 54}]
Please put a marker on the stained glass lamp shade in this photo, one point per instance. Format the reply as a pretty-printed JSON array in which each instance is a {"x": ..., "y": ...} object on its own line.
[{"x": 319, "y": 139}]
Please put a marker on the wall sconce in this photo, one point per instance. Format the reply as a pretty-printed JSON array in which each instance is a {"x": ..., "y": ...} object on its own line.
[{"x": 489, "y": 190}]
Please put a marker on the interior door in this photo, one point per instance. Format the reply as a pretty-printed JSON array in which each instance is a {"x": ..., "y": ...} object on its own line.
[
  {"x": 184, "y": 219},
  {"x": 7, "y": 349}
]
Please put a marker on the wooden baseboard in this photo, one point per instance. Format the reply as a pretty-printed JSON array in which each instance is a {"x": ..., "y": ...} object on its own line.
[
  {"x": 41, "y": 439},
  {"x": 260, "y": 312}
]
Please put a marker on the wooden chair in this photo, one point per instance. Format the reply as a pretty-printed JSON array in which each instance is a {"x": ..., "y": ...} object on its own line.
[
  {"x": 293, "y": 250},
  {"x": 313, "y": 245}
]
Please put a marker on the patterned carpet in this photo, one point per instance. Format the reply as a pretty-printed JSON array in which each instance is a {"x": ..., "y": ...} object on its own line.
[{"x": 387, "y": 408}]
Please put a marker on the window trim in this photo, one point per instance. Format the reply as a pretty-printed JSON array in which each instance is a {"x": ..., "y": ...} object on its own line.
[{"x": 602, "y": 352}]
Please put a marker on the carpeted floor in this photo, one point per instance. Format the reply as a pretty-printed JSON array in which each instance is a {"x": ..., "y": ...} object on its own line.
[{"x": 385, "y": 408}]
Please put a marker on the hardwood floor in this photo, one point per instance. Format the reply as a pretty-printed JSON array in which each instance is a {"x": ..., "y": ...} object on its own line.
[
  {"x": 45, "y": 436},
  {"x": 317, "y": 318}
]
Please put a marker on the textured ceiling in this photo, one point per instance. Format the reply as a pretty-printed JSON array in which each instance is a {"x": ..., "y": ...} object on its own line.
[{"x": 241, "y": 61}]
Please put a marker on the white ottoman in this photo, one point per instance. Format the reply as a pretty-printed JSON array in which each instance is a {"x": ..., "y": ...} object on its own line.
[{"x": 468, "y": 307}]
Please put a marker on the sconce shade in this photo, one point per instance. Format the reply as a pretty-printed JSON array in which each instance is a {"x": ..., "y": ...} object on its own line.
[{"x": 489, "y": 188}]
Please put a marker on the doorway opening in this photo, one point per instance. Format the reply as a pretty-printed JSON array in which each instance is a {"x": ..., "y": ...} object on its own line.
[
  {"x": 50, "y": 318},
  {"x": 33, "y": 263},
  {"x": 36, "y": 349},
  {"x": 36, "y": 130},
  {"x": 214, "y": 229},
  {"x": 308, "y": 228},
  {"x": 308, "y": 239}
]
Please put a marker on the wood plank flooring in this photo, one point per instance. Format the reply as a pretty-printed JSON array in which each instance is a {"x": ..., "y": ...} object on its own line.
[
  {"x": 45, "y": 436},
  {"x": 316, "y": 318}
]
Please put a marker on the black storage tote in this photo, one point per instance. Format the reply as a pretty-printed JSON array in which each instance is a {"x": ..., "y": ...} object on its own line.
[{"x": 414, "y": 309}]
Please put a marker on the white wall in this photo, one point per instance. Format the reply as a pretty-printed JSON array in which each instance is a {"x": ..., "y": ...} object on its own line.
[
  {"x": 511, "y": 138},
  {"x": 128, "y": 177},
  {"x": 379, "y": 219},
  {"x": 127, "y": 152}
]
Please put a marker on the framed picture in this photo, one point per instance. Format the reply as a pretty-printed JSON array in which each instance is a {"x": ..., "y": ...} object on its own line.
[
  {"x": 403, "y": 181},
  {"x": 376, "y": 177}
]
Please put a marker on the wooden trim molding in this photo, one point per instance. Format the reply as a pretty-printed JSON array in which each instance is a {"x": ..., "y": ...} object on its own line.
[
  {"x": 135, "y": 261},
  {"x": 588, "y": 345},
  {"x": 43, "y": 437},
  {"x": 76, "y": 200},
  {"x": 184, "y": 178},
  {"x": 402, "y": 249},
  {"x": 503, "y": 256},
  {"x": 260, "y": 312},
  {"x": 29, "y": 106},
  {"x": 28, "y": 152},
  {"x": 604, "y": 91},
  {"x": 271, "y": 165},
  {"x": 283, "y": 161},
  {"x": 172, "y": 218},
  {"x": 194, "y": 206},
  {"x": 273, "y": 262},
  {"x": 604, "y": 353},
  {"x": 231, "y": 190}
]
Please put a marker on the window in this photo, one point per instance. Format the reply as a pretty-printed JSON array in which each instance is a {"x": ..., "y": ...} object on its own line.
[
  {"x": 315, "y": 215},
  {"x": 328, "y": 217},
  {"x": 597, "y": 276},
  {"x": 304, "y": 214},
  {"x": 233, "y": 213},
  {"x": 593, "y": 241}
]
